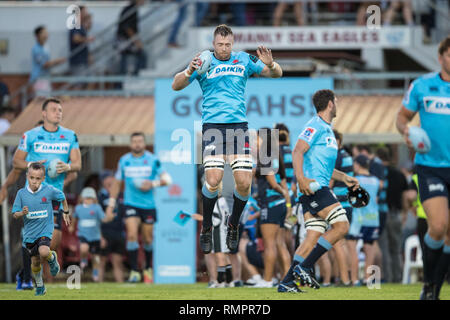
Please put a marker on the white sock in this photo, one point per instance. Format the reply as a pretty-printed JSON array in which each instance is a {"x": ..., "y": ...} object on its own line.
[{"x": 38, "y": 278}]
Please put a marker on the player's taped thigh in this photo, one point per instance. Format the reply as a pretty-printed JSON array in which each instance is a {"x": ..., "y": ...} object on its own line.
[
  {"x": 213, "y": 163},
  {"x": 316, "y": 224},
  {"x": 337, "y": 214},
  {"x": 242, "y": 164}
]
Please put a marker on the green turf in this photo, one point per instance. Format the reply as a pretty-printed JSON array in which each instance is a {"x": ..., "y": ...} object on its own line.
[{"x": 199, "y": 291}]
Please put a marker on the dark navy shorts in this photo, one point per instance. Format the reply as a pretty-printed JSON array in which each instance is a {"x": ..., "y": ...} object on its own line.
[
  {"x": 94, "y": 246},
  {"x": 147, "y": 216},
  {"x": 33, "y": 248},
  {"x": 114, "y": 244},
  {"x": 370, "y": 234},
  {"x": 321, "y": 199},
  {"x": 274, "y": 215},
  {"x": 225, "y": 139},
  {"x": 57, "y": 214},
  {"x": 433, "y": 182}
]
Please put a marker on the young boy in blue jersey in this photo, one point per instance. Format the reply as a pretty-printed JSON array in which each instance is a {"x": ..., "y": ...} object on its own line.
[
  {"x": 368, "y": 215},
  {"x": 34, "y": 204},
  {"x": 314, "y": 158},
  {"x": 88, "y": 216},
  {"x": 429, "y": 95},
  {"x": 225, "y": 125}
]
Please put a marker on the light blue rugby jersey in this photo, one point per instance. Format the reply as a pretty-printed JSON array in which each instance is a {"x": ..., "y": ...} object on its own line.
[
  {"x": 41, "y": 144},
  {"x": 89, "y": 221},
  {"x": 320, "y": 159},
  {"x": 223, "y": 87},
  {"x": 39, "y": 220},
  {"x": 430, "y": 96},
  {"x": 145, "y": 167},
  {"x": 369, "y": 214}
]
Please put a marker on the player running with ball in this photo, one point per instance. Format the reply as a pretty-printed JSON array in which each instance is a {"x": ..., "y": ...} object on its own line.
[
  {"x": 314, "y": 158},
  {"x": 225, "y": 127},
  {"x": 430, "y": 96}
]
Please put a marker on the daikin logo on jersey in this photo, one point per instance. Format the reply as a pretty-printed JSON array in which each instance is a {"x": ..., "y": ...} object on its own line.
[
  {"x": 138, "y": 172},
  {"x": 439, "y": 105},
  {"x": 59, "y": 148},
  {"x": 226, "y": 70}
]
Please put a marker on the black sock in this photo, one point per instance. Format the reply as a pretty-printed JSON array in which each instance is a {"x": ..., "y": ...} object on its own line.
[
  {"x": 238, "y": 206},
  {"x": 133, "y": 259},
  {"x": 221, "y": 274},
  {"x": 26, "y": 271},
  {"x": 321, "y": 247},
  {"x": 148, "y": 258},
  {"x": 431, "y": 253},
  {"x": 228, "y": 273},
  {"x": 289, "y": 277},
  {"x": 209, "y": 200},
  {"x": 441, "y": 271}
]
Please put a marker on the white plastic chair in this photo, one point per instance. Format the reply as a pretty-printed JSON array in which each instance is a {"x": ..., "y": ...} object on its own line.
[{"x": 412, "y": 242}]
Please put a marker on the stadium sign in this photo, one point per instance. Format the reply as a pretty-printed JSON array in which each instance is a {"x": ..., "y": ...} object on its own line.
[{"x": 319, "y": 37}]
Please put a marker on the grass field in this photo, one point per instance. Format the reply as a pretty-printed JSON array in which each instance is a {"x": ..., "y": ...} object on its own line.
[{"x": 199, "y": 291}]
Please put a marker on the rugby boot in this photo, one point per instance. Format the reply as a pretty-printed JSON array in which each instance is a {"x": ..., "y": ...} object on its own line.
[
  {"x": 232, "y": 237},
  {"x": 206, "y": 241},
  {"x": 305, "y": 275}
]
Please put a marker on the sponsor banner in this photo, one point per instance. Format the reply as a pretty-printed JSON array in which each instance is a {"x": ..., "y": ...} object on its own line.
[
  {"x": 318, "y": 37},
  {"x": 58, "y": 148},
  {"x": 37, "y": 214}
]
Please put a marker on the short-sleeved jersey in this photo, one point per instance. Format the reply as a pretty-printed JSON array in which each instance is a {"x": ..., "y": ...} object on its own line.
[
  {"x": 251, "y": 208},
  {"x": 131, "y": 168},
  {"x": 369, "y": 214},
  {"x": 344, "y": 163},
  {"x": 40, "y": 55},
  {"x": 41, "y": 144},
  {"x": 39, "y": 220},
  {"x": 286, "y": 155},
  {"x": 114, "y": 228},
  {"x": 382, "y": 174},
  {"x": 89, "y": 221},
  {"x": 430, "y": 96},
  {"x": 223, "y": 87},
  {"x": 320, "y": 159}
]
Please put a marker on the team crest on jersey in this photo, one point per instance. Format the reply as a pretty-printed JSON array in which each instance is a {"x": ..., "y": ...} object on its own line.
[
  {"x": 226, "y": 70},
  {"x": 332, "y": 143},
  {"x": 308, "y": 133},
  {"x": 440, "y": 105}
]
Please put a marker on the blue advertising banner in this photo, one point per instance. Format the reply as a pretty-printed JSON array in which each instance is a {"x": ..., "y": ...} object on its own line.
[{"x": 177, "y": 130}]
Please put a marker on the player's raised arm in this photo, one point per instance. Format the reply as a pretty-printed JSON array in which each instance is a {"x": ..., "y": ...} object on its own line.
[
  {"x": 181, "y": 79},
  {"x": 272, "y": 69}
]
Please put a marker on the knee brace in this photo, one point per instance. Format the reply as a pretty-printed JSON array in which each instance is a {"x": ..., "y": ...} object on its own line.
[
  {"x": 242, "y": 164},
  {"x": 214, "y": 163},
  {"x": 316, "y": 224},
  {"x": 336, "y": 215}
]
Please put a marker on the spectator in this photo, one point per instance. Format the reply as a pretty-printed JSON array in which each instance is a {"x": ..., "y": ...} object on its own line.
[
  {"x": 406, "y": 10},
  {"x": 112, "y": 241},
  {"x": 282, "y": 6},
  {"x": 41, "y": 63},
  {"x": 7, "y": 115},
  {"x": 362, "y": 12},
  {"x": 390, "y": 239},
  {"x": 127, "y": 37},
  {"x": 78, "y": 43},
  {"x": 4, "y": 94},
  {"x": 201, "y": 10}
]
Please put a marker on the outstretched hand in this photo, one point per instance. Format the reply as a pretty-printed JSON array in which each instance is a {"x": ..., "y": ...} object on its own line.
[{"x": 265, "y": 55}]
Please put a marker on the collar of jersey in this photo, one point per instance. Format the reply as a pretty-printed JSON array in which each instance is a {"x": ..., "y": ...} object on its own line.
[
  {"x": 50, "y": 131},
  {"x": 31, "y": 191},
  {"x": 223, "y": 60},
  {"x": 442, "y": 80},
  {"x": 328, "y": 124}
]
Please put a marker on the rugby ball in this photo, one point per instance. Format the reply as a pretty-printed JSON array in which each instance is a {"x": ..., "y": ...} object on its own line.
[
  {"x": 314, "y": 186},
  {"x": 51, "y": 170},
  {"x": 419, "y": 139},
  {"x": 205, "y": 61}
]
